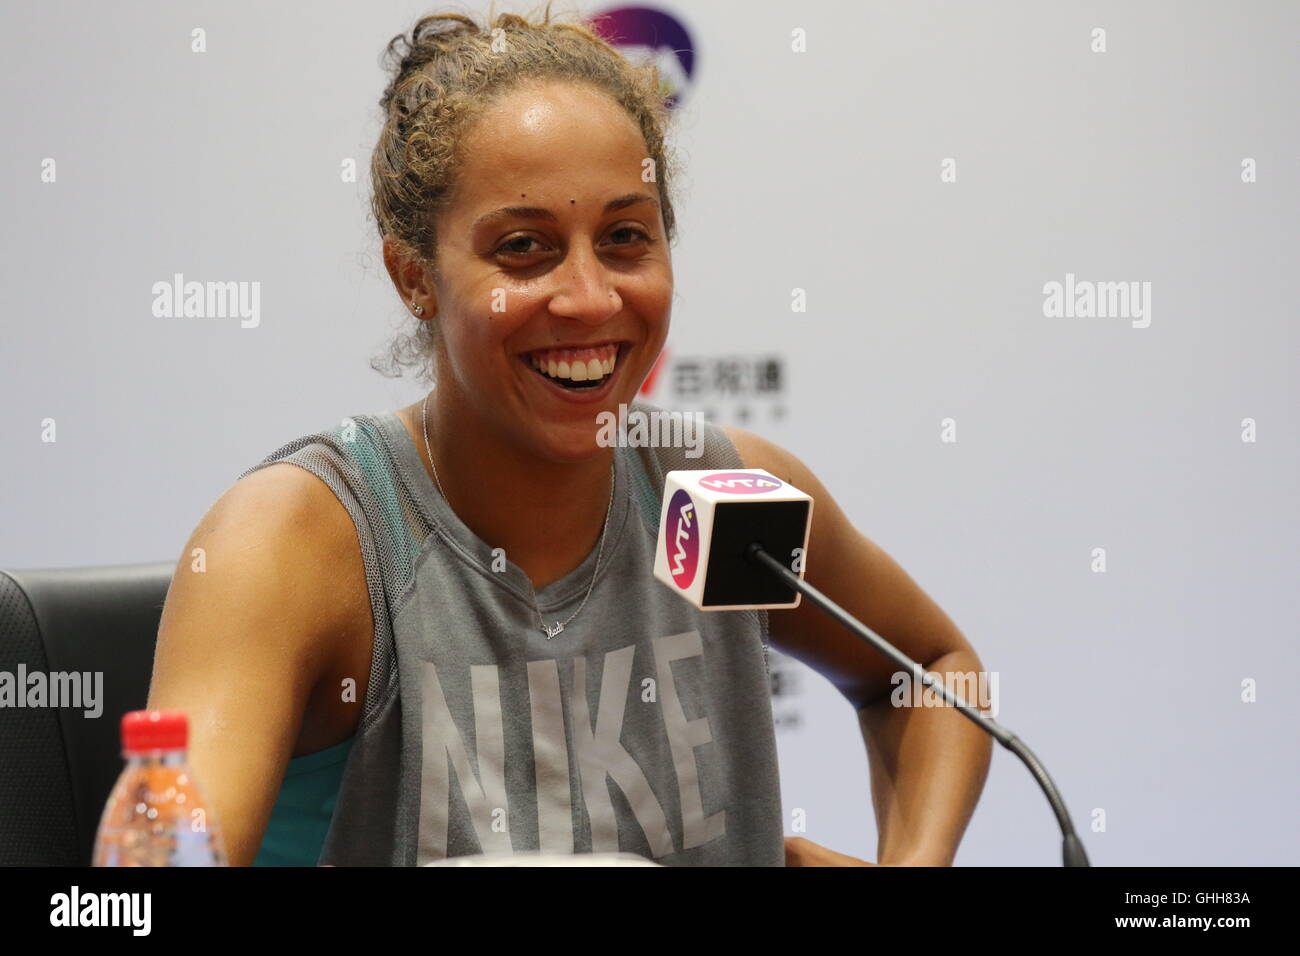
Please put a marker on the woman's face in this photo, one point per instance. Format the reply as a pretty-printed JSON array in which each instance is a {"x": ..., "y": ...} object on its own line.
[{"x": 552, "y": 252}]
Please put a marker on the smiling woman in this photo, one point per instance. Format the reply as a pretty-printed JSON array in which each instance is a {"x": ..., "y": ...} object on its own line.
[
  {"x": 548, "y": 249},
  {"x": 435, "y": 631}
]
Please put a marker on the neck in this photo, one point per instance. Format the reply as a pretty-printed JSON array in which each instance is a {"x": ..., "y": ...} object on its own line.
[{"x": 546, "y": 515}]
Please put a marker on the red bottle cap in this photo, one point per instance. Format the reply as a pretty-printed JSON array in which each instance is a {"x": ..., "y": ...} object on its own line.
[{"x": 144, "y": 730}]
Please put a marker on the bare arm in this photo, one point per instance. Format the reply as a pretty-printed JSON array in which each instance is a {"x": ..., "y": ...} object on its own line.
[
  {"x": 244, "y": 644},
  {"x": 927, "y": 764}
]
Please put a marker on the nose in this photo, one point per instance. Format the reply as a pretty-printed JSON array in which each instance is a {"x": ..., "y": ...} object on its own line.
[{"x": 585, "y": 292}]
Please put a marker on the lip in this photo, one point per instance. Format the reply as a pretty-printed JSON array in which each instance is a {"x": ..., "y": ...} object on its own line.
[{"x": 579, "y": 396}]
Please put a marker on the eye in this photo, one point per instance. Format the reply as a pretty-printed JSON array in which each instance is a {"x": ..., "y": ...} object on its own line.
[
  {"x": 506, "y": 247},
  {"x": 632, "y": 231}
]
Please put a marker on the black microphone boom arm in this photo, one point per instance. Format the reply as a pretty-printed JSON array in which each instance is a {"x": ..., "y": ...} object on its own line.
[{"x": 1072, "y": 849}]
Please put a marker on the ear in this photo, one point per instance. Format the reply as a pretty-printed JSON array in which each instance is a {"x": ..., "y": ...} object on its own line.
[{"x": 411, "y": 277}]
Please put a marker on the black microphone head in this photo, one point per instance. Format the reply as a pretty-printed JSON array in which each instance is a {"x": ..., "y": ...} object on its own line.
[{"x": 708, "y": 523}]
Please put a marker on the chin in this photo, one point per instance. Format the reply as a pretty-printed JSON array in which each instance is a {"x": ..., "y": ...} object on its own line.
[{"x": 570, "y": 443}]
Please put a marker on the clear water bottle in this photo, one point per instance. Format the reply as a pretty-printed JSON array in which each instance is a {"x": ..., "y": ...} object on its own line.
[{"x": 156, "y": 815}]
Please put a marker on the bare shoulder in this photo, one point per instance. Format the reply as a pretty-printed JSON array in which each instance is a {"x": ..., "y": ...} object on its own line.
[
  {"x": 285, "y": 506},
  {"x": 286, "y": 513},
  {"x": 274, "y": 563}
]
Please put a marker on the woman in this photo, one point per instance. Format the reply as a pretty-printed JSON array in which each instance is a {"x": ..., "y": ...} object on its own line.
[{"x": 435, "y": 632}]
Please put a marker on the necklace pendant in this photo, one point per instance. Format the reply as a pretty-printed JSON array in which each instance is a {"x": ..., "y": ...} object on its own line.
[{"x": 552, "y": 629}]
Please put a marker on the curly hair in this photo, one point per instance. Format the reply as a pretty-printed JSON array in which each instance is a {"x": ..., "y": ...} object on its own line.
[{"x": 445, "y": 72}]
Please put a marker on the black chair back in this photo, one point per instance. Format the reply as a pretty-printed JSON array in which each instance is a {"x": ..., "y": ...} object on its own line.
[{"x": 57, "y": 765}]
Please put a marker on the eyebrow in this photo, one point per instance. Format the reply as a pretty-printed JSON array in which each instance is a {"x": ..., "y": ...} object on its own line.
[{"x": 537, "y": 212}]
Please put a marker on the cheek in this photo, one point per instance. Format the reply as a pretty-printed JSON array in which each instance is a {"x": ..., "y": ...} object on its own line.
[
  {"x": 651, "y": 297},
  {"x": 658, "y": 311},
  {"x": 475, "y": 335}
]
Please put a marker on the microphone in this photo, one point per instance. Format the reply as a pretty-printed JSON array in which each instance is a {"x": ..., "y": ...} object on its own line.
[
  {"x": 708, "y": 519},
  {"x": 720, "y": 533}
]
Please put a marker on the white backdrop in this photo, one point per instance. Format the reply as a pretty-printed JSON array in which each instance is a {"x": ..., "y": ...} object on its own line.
[{"x": 820, "y": 170}]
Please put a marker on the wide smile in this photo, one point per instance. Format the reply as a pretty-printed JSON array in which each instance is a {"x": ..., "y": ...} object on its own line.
[{"x": 578, "y": 374}]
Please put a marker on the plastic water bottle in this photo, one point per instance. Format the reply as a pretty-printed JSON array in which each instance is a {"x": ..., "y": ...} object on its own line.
[{"x": 156, "y": 815}]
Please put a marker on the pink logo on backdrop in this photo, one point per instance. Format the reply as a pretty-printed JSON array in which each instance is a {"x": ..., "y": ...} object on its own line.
[
  {"x": 739, "y": 483},
  {"x": 649, "y": 34},
  {"x": 682, "y": 542}
]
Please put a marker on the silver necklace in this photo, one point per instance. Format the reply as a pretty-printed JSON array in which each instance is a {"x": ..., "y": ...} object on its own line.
[{"x": 550, "y": 630}]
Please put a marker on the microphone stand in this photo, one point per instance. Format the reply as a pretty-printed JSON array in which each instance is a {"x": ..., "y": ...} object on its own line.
[{"x": 1072, "y": 847}]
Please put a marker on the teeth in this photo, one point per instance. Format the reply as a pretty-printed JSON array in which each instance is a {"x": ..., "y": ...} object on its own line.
[{"x": 576, "y": 365}]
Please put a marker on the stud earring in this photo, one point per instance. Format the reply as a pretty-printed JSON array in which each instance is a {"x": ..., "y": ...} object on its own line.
[{"x": 419, "y": 309}]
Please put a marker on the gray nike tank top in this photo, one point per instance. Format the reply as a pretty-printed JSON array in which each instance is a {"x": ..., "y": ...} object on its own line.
[{"x": 644, "y": 727}]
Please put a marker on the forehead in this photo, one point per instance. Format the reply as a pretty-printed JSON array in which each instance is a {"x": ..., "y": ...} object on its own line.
[{"x": 550, "y": 136}]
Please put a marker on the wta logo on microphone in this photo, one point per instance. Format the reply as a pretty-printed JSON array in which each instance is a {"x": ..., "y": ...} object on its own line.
[
  {"x": 682, "y": 542},
  {"x": 740, "y": 483},
  {"x": 709, "y": 520}
]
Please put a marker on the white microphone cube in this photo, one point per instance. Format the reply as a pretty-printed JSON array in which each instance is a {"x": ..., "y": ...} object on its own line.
[{"x": 708, "y": 520}]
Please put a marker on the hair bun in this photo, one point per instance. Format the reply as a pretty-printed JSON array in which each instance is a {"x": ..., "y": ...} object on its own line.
[{"x": 407, "y": 53}]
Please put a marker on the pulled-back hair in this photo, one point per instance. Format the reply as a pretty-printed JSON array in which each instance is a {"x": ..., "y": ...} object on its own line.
[{"x": 445, "y": 72}]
